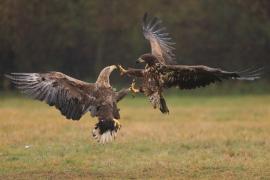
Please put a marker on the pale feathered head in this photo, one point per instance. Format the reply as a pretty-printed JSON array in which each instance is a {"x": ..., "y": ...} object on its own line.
[{"x": 104, "y": 76}]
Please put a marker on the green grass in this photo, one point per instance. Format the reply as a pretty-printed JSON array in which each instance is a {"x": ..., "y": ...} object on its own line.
[{"x": 206, "y": 137}]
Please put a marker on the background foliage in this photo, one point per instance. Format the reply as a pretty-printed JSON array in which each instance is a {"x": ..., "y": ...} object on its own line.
[{"x": 79, "y": 37}]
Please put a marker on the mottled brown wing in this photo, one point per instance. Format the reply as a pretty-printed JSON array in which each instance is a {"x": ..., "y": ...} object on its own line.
[
  {"x": 160, "y": 41},
  {"x": 71, "y": 96},
  {"x": 190, "y": 77}
]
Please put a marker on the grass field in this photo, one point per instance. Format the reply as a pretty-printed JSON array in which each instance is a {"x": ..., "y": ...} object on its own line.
[{"x": 206, "y": 137}]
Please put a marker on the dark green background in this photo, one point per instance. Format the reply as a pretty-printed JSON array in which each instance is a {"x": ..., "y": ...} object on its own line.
[{"x": 79, "y": 37}]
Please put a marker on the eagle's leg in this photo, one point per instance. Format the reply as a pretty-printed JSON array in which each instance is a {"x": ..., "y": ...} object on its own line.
[
  {"x": 117, "y": 124},
  {"x": 133, "y": 88},
  {"x": 122, "y": 70},
  {"x": 131, "y": 71}
]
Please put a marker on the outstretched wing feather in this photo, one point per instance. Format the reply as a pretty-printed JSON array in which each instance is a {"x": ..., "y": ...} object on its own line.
[
  {"x": 71, "y": 96},
  {"x": 191, "y": 77},
  {"x": 160, "y": 41}
]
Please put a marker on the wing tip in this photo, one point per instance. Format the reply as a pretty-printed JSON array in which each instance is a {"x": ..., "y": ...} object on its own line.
[
  {"x": 145, "y": 15},
  {"x": 7, "y": 76},
  {"x": 250, "y": 74},
  {"x": 144, "y": 20}
]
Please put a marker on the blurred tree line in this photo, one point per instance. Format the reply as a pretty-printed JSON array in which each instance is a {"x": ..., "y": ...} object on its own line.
[{"x": 79, "y": 37}]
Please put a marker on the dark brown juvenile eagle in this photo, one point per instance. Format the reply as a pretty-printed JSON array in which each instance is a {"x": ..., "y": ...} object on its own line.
[
  {"x": 74, "y": 98},
  {"x": 161, "y": 71}
]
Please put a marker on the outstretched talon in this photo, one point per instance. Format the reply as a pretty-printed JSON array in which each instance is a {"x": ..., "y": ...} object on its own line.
[
  {"x": 117, "y": 124},
  {"x": 122, "y": 70},
  {"x": 133, "y": 89}
]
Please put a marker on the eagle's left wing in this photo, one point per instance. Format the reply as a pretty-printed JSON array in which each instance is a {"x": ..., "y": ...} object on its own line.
[
  {"x": 191, "y": 77},
  {"x": 160, "y": 41}
]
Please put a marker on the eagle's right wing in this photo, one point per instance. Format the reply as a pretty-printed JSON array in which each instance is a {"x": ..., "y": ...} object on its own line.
[
  {"x": 121, "y": 94},
  {"x": 71, "y": 96},
  {"x": 191, "y": 77}
]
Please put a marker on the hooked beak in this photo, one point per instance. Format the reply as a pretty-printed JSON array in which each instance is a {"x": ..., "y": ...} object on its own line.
[
  {"x": 140, "y": 60},
  {"x": 113, "y": 67}
]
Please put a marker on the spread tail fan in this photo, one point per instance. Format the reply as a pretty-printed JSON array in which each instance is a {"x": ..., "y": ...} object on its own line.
[{"x": 106, "y": 130}]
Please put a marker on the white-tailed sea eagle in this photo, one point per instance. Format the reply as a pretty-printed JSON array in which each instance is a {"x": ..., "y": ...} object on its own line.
[
  {"x": 73, "y": 98},
  {"x": 161, "y": 71}
]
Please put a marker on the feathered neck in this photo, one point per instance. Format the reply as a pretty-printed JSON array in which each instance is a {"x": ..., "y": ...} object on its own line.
[{"x": 104, "y": 76}]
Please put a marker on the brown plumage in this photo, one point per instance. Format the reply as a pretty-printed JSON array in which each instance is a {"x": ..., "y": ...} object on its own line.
[
  {"x": 160, "y": 41},
  {"x": 161, "y": 71},
  {"x": 73, "y": 98}
]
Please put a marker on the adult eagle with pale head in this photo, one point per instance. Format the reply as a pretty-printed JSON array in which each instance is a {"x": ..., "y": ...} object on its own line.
[
  {"x": 73, "y": 98},
  {"x": 162, "y": 72}
]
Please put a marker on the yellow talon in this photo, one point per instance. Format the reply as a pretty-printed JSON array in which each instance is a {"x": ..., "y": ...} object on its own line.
[
  {"x": 122, "y": 70},
  {"x": 133, "y": 88},
  {"x": 117, "y": 124}
]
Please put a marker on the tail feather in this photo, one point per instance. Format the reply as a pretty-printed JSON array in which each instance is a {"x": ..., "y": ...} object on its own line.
[
  {"x": 106, "y": 130},
  {"x": 157, "y": 100},
  {"x": 163, "y": 106}
]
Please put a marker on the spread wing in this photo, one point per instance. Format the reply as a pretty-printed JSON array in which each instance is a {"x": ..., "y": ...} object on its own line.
[
  {"x": 160, "y": 41},
  {"x": 121, "y": 94},
  {"x": 190, "y": 77},
  {"x": 71, "y": 96}
]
